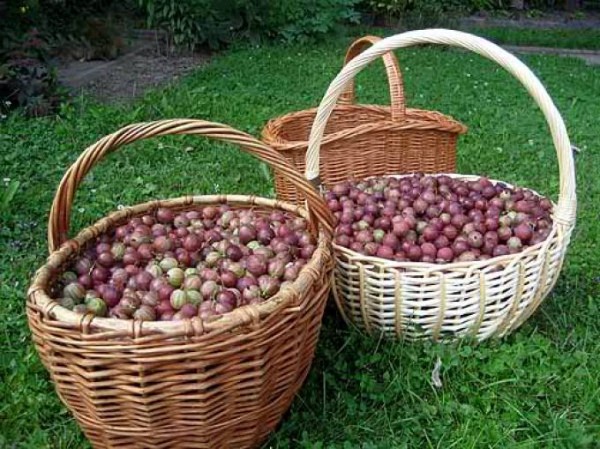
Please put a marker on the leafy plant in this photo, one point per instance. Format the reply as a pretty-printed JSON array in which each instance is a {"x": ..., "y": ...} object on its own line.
[
  {"x": 393, "y": 8},
  {"x": 92, "y": 29},
  {"x": 413, "y": 13},
  {"x": 33, "y": 31},
  {"x": 485, "y": 5},
  {"x": 192, "y": 23},
  {"x": 97, "y": 37},
  {"x": 27, "y": 79},
  {"x": 435, "y": 8}
]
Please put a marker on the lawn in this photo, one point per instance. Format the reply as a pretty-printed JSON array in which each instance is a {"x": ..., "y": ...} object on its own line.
[
  {"x": 540, "y": 387},
  {"x": 586, "y": 38}
]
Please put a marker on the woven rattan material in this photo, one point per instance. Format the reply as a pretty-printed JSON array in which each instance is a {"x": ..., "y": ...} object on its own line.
[
  {"x": 365, "y": 140},
  {"x": 414, "y": 300},
  {"x": 479, "y": 299},
  {"x": 218, "y": 383}
]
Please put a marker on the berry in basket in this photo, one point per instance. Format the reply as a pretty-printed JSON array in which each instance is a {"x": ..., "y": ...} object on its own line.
[
  {"x": 170, "y": 266},
  {"x": 437, "y": 218}
]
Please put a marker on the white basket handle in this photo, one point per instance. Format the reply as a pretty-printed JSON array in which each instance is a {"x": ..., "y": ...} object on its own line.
[{"x": 567, "y": 202}]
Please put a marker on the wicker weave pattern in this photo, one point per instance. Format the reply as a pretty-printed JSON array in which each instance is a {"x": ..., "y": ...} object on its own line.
[
  {"x": 218, "y": 383},
  {"x": 413, "y": 300},
  {"x": 480, "y": 299},
  {"x": 365, "y": 140}
]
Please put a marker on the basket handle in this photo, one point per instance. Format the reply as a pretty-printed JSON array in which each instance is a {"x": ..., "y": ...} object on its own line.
[
  {"x": 394, "y": 75},
  {"x": 60, "y": 213},
  {"x": 565, "y": 210}
]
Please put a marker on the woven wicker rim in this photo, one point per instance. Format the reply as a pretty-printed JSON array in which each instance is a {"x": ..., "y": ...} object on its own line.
[
  {"x": 241, "y": 316},
  {"x": 426, "y": 267},
  {"x": 319, "y": 217},
  {"x": 415, "y": 119},
  {"x": 565, "y": 210}
]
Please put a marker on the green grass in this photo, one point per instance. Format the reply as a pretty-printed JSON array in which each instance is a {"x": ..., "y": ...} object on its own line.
[
  {"x": 587, "y": 38},
  {"x": 538, "y": 388}
]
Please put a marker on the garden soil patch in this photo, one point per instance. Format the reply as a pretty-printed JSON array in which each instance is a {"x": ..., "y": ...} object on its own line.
[{"x": 130, "y": 75}]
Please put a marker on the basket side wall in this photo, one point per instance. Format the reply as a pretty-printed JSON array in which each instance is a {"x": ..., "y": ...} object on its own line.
[
  {"x": 228, "y": 390},
  {"x": 379, "y": 147}
]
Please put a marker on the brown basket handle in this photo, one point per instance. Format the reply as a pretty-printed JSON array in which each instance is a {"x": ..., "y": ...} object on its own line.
[
  {"x": 60, "y": 213},
  {"x": 392, "y": 68}
]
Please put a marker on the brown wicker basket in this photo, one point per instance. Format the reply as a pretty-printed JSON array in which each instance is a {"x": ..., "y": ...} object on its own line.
[
  {"x": 480, "y": 299},
  {"x": 218, "y": 383},
  {"x": 367, "y": 140}
]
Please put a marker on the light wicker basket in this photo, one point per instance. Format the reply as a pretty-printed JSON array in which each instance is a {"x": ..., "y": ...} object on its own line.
[
  {"x": 478, "y": 299},
  {"x": 218, "y": 383},
  {"x": 367, "y": 140}
]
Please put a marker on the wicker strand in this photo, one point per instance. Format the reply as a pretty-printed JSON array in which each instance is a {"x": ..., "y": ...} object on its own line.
[
  {"x": 398, "y": 303},
  {"x": 437, "y": 327},
  {"x": 482, "y": 304},
  {"x": 363, "y": 299},
  {"x": 517, "y": 301}
]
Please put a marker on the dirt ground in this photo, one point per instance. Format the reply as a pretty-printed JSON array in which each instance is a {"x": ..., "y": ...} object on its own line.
[
  {"x": 130, "y": 75},
  {"x": 143, "y": 66}
]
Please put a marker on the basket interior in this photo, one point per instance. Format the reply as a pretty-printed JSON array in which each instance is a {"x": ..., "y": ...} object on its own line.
[{"x": 62, "y": 259}]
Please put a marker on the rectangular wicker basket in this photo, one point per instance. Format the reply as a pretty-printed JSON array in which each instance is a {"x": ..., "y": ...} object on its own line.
[{"x": 367, "y": 140}]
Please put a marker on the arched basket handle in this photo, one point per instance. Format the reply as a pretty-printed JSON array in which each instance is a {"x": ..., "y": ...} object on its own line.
[
  {"x": 564, "y": 213},
  {"x": 394, "y": 75},
  {"x": 60, "y": 213}
]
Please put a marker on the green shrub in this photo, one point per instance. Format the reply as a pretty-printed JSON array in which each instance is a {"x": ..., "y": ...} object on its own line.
[
  {"x": 393, "y": 8},
  {"x": 403, "y": 8},
  {"x": 296, "y": 20},
  {"x": 413, "y": 13},
  {"x": 400, "y": 8},
  {"x": 27, "y": 79},
  {"x": 192, "y": 23},
  {"x": 32, "y": 32}
]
